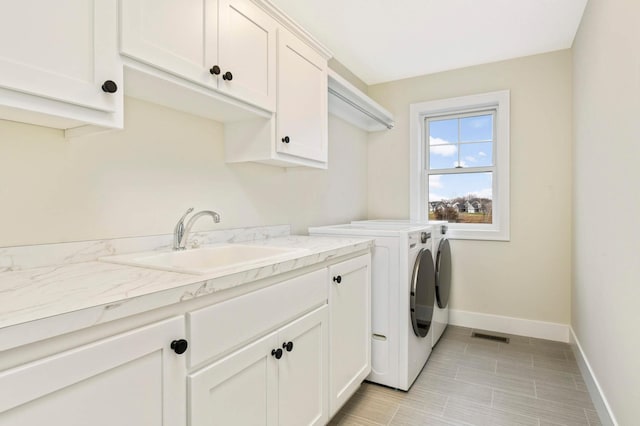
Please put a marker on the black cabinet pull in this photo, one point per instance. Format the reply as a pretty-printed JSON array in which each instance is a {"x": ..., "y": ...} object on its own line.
[
  {"x": 286, "y": 139},
  {"x": 215, "y": 70},
  {"x": 288, "y": 346},
  {"x": 227, "y": 76},
  {"x": 179, "y": 346},
  {"x": 277, "y": 353},
  {"x": 109, "y": 86},
  {"x": 337, "y": 279}
]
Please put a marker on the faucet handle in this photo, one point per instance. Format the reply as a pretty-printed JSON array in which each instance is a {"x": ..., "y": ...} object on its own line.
[
  {"x": 189, "y": 210},
  {"x": 178, "y": 231}
]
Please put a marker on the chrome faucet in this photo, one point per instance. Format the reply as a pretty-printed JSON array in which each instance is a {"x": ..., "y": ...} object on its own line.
[
  {"x": 178, "y": 231},
  {"x": 181, "y": 232}
]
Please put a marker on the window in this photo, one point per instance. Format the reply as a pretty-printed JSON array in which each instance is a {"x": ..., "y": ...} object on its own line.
[{"x": 460, "y": 164}]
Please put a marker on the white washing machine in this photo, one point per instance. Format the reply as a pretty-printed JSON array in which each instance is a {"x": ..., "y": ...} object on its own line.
[
  {"x": 442, "y": 260},
  {"x": 402, "y": 298}
]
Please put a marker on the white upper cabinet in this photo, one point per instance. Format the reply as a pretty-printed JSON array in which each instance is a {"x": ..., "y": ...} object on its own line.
[
  {"x": 59, "y": 63},
  {"x": 229, "y": 45},
  {"x": 171, "y": 35},
  {"x": 247, "y": 55},
  {"x": 302, "y": 100},
  {"x": 297, "y": 134}
]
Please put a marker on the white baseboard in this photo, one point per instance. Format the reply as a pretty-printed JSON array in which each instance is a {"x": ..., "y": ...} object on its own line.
[
  {"x": 597, "y": 396},
  {"x": 510, "y": 325}
]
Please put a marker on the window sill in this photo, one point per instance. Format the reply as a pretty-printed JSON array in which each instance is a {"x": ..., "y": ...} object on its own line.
[{"x": 477, "y": 234}]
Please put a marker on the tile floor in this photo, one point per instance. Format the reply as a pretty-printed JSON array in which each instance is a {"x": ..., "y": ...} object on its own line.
[{"x": 471, "y": 381}]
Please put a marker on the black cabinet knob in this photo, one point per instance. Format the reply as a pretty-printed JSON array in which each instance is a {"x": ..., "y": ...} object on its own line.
[
  {"x": 179, "y": 346},
  {"x": 288, "y": 346},
  {"x": 109, "y": 86},
  {"x": 215, "y": 70},
  {"x": 277, "y": 353},
  {"x": 286, "y": 139},
  {"x": 337, "y": 279},
  {"x": 227, "y": 76}
]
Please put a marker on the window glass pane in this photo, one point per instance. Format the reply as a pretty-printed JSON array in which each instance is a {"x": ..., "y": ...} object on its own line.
[
  {"x": 443, "y": 131},
  {"x": 476, "y": 154},
  {"x": 461, "y": 197},
  {"x": 443, "y": 156},
  {"x": 475, "y": 129}
]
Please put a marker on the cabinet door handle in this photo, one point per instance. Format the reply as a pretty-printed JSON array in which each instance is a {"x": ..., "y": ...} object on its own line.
[
  {"x": 337, "y": 279},
  {"x": 288, "y": 346},
  {"x": 286, "y": 139},
  {"x": 227, "y": 76},
  {"x": 214, "y": 70},
  {"x": 179, "y": 346},
  {"x": 109, "y": 86},
  {"x": 277, "y": 353}
]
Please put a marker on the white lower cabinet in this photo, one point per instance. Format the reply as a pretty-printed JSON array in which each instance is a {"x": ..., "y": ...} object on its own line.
[
  {"x": 134, "y": 378},
  {"x": 350, "y": 328},
  {"x": 280, "y": 379},
  {"x": 287, "y": 354}
]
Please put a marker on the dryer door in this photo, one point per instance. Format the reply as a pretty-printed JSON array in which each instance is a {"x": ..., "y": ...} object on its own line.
[
  {"x": 422, "y": 293},
  {"x": 443, "y": 273}
]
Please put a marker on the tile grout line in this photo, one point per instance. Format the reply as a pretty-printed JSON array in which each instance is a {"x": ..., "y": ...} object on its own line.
[
  {"x": 444, "y": 407},
  {"x": 394, "y": 414},
  {"x": 586, "y": 415}
]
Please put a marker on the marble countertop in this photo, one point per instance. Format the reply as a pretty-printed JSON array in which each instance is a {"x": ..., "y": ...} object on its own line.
[{"x": 98, "y": 291}]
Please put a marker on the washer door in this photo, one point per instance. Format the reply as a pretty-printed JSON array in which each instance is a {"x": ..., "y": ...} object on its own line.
[
  {"x": 443, "y": 273},
  {"x": 422, "y": 293}
]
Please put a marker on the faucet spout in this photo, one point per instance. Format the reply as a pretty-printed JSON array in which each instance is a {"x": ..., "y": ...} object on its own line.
[{"x": 185, "y": 236}]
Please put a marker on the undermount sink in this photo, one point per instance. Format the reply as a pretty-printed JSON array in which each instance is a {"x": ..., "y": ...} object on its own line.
[{"x": 206, "y": 260}]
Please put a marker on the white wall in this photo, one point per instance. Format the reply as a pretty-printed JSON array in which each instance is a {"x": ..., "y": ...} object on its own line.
[
  {"x": 606, "y": 243},
  {"x": 139, "y": 181},
  {"x": 528, "y": 277}
]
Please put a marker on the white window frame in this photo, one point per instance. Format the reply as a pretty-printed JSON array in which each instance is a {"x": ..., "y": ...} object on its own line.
[{"x": 419, "y": 179}]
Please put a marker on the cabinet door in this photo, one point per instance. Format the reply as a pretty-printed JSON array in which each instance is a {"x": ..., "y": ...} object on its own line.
[
  {"x": 130, "y": 379},
  {"x": 350, "y": 328},
  {"x": 248, "y": 52},
  {"x": 302, "y": 371},
  {"x": 178, "y": 36},
  {"x": 302, "y": 100},
  {"x": 60, "y": 51},
  {"x": 240, "y": 389}
]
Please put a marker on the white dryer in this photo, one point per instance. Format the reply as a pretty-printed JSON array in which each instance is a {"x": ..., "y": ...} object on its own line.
[
  {"x": 402, "y": 298},
  {"x": 441, "y": 250}
]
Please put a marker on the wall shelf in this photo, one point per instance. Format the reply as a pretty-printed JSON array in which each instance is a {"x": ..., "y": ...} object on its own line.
[{"x": 352, "y": 105}]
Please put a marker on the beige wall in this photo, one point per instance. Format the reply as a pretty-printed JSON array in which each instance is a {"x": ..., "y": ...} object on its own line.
[
  {"x": 528, "y": 277},
  {"x": 139, "y": 181},
  {"x": 340, "y": 196},
  {"x": 606, "y": 244},
  {"x": 348, "y": 75}
]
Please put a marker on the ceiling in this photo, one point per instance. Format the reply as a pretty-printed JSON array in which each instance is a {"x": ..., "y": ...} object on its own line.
[{"x": 385, "y": 40}]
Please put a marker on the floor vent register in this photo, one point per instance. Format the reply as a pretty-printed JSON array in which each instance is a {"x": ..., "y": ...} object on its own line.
[{"x": 490, "y": 337}]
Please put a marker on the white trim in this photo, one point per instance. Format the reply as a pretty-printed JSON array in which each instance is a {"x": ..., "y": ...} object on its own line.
[
  {"x": 518, "y": 326},
  {"x": 595, "y": 391},
  {"x": 499, "y": 230}
]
